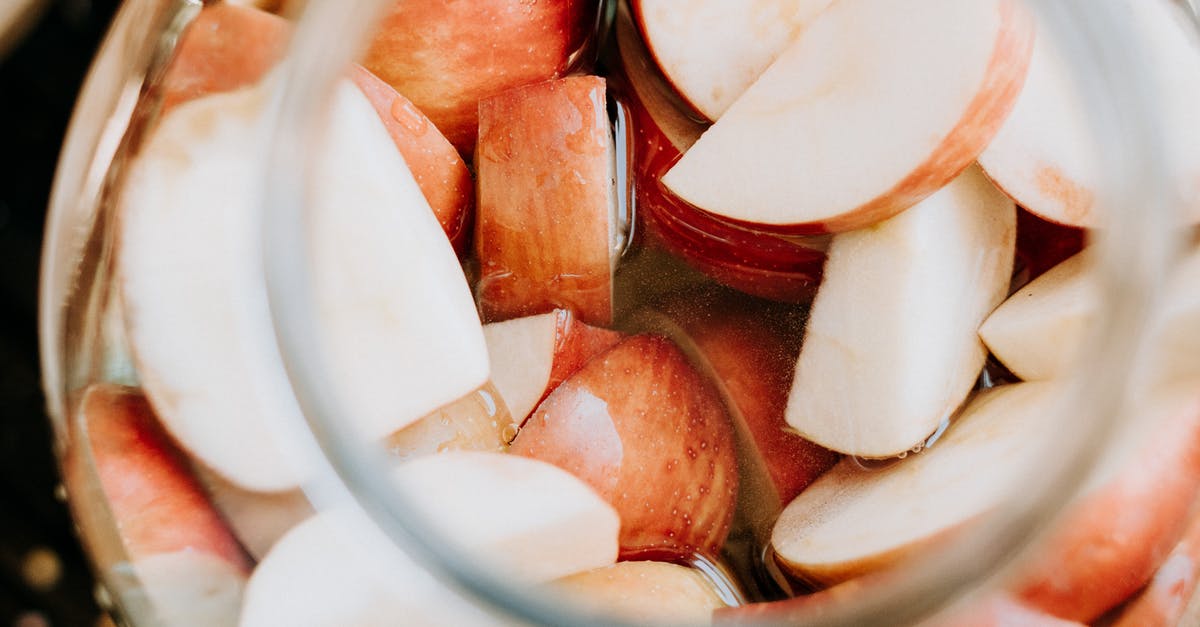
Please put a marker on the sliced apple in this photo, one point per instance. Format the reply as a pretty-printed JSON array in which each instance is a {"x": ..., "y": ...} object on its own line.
[
  {"x": 545, "y": 240},
  {"x": 476, "y": 422},
  {"x": 876, "y": 106},
  {"x": 854, "y": 521},
  {"x": 187, "y": 561},
  {"x": 1046, "y": 154},
  {"x": 644, "y": 593},
  {"x": 1165, "y": 599},
  {"x": 639, "y": 411},
  {"x": 891, "y": 347},
  {"x": 747, "y": 260},
  {"x": 713, "y": 50},
  {"x": 190, "y": 266},
  {"x": 448, "y": 56},
  {"x": 530, "y": 356},
  {"x": 258, "y": 519}
]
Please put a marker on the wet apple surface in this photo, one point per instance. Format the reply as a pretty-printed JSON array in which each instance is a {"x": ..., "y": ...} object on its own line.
[{"x": 625, "y": 330}]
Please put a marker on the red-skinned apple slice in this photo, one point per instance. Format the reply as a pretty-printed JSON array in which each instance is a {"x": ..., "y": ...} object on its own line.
[
  {"x": 876, "y": 106},
  {"x": 545, "y": 240},
  {"x": 447, "y": 56},
  {"x": 188, "y": 562},
  {"x": 637, "y": 411},
  {"x": 753, "y": 262},
  {"x": 530, "y": 356},
  {"x": 891, "y": 347},
  {"x": 871, "y": 519},
  {"x": 190, "y": 258},
  {"x": 712, "y": 50},
  {"x": 1164, "y": 601},
  {"x": 644, "y": 593},
  {"x": 1045, "y": 155}
]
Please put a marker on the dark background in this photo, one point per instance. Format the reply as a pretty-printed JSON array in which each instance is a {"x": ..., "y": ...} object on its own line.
[{"x": 39, "y": 78}]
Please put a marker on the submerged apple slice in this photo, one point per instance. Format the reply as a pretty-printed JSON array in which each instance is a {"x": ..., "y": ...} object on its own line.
[
  {"x": 712, "y": 50},
  {"x": 1046, "y": 154},
  {"x": 398, "y": 343},
  {"x": 184, "y": 556},
  {"x": 476, "y": 422},
  {"x": 879, "y": 104},
  {"x": 644, "y": 593},
  {"x": 530, "y": 356},
  {"x": 258, "y": 519},
  {"x": 892, "y": 347},
  {"x": 546, "y": 240},
  {"x": 854, "y": 520}
]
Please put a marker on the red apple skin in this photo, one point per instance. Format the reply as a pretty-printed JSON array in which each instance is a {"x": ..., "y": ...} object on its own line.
[
  {"x": 1163, "y": 601},
  {"x": 225, "y": 47},
  {"x": 648, "y": 433},
  {"x": 439, "y": 170},
  {"x": 751, "y": 348},
  {"x": 745, "y": 259},
  {"x": 447, "y": 55},
  {"x": 542, "y": 238},
  {"x": 158, "y": 506},
  {"x": 1112, "y": 541},
  {"x": 575, "y": 344}
]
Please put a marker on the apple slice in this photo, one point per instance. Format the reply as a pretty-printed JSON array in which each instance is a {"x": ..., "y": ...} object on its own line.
[
  {"x": 853, "y": 521},
  {"x": 190, "y": 267},
  {"x": 258, "y": 519},
  {"x": 448, "y": 56},
  {"x": 644, "y": 593},
  {"x": 530, "y": 356},
  {"x": 892, "y": 347},
  {"x": 545, "y": 240},
  {"x": 638, "y": 411},
  {"x": 712, "y": 50},
  {"x": 1164, "y": 600},
  {"x": 185, "y": 558},
  {"x": 876, "y": 106},
  {"x": 1045, "y": 155},
  {"x": 476, "y": 422}
]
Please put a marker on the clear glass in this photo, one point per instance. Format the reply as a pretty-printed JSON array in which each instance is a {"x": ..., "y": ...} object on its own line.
[{"x": 84, "y": 328}]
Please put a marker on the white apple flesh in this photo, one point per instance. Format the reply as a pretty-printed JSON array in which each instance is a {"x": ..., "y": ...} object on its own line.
[
  {"x": 877, "y": 105},
  {"x": 712, "y": 50},
  {"x": 190, "y": 265},
  {"x": 891, "y": 347},
  {"x": 644, "y": 593}
]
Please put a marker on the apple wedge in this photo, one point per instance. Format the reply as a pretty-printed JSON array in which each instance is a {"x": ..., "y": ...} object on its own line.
[
  {"x": 476, "y": 422},
  {"x": 545, "y": 240},
  {"x": 879, "y": 104},
  {"x": 753, "y": 262},
  {"x": 258, "y": 519},
  {"x": 853, "y": 521},
  {"x": 1164, "y": 600},
  {"x": 1046, "y": 154},
  {"x": 644, "y": 593},
  {"x": 639, "y": 411},
  {"x": 448, "y": 56},
  {"x": 712, "y": 50},
  {"x": 190, "y": 265},
  {"x": 187, "y": 561},
  {"x": 530, "y": 356},
  {"x": 891, "y": 347}
]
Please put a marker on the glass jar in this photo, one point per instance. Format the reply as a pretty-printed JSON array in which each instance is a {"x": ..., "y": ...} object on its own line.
[{"x": 234, "y": 315}]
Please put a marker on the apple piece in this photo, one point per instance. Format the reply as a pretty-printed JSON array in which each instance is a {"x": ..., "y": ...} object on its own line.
[
  {"x": 711, "y": 50},
  {"x": 644, "y": 593},
  {"x": 187, "y": 561},
  {"x": 757, "y": 263},
  {"x": 190, "y": 266},
  {"x": 545, "y": 240},
  {"x": 873, "y": 518},
  {"x": 476, "y": 422},
  {"x": 637, "y": 411},
  {"x": 439, "y": 170},
  {"x": 1165, "y": 599},
  {"x": 1046, "y": 156},
  {"x": 948, "y": 71},
  {"x": 337, "y": 568},
  {"x": 749, "y": 349},
  {"x": 448, "y": 56},
  {"x": 892, "y": 347},
  {"x": 226, "y": 47},
  {"x": 1036, "y": 333},
  {"x": 258, "y": 519},
  {"x": 530, "y": 356}
]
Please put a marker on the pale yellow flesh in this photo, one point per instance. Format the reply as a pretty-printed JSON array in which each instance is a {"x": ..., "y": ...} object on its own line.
[
  {"x": 891, "y": 347},
  {"x": 258, "y": 519},
  {"x": 521, "y": 354},
  {"x": 853, "y": 520},
  {"x": 644, "y": 592},
  {"x": 191, "y": 589}
]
